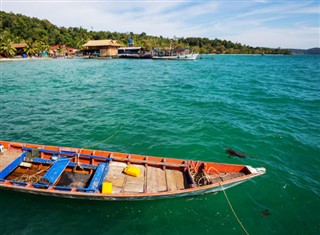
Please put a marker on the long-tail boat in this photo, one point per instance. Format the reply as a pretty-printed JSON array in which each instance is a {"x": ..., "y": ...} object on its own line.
[{"x": 103, "y": 175}]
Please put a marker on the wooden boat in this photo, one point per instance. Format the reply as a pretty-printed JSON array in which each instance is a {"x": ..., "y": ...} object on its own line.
[{"x": 103, "y": 175}]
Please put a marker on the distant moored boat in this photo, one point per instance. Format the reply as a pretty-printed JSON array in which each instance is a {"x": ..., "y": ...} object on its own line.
[{"x": 174, "y": 54}]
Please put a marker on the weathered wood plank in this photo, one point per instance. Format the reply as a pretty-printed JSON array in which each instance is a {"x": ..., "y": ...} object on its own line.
[
  {"x": 161, "y": 180},
  {"x": 7, "y": 157},
  {"x": 179, "y": 179},
  {"x": 151, "y": 180},
  {"x": 171, "y": 180},
  {"x": 231, "y": 175},
  {"x": 116, "y": 176},
  {"x": 135, "y": 184}
]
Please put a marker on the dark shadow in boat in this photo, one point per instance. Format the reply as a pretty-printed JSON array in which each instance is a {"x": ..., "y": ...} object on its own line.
[{"x": 74, "y": 180}]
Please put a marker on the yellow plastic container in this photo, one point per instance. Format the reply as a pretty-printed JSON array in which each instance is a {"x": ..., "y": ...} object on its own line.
[
  {"x": 106, "y": 187},
  {"x": 131, "y": 170}
]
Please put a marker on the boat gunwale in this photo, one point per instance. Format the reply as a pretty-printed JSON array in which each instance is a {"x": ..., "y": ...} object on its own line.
[{"x": 129, "y": 157}]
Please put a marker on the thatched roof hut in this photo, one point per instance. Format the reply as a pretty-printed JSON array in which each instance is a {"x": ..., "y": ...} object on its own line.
[
  {"x": 104, "y": 47},
  {"x": 101, "y": 43},
  {"x": 19, "y": 45}
]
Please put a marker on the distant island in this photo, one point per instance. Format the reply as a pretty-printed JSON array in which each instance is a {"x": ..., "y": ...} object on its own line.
[
  {"x": 311, "y": 51},
  {"x": 41, "y": 35}
]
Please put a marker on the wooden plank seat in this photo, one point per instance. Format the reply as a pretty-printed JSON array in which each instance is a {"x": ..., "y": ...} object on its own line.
[
  {"x": 49, "y": 161},
  {"x": 5, "y": 171},
  {"x": 98, "y": 176},
  {"x": 53, "y": 174}
]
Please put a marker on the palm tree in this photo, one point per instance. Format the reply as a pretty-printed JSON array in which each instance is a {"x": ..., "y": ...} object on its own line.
[
  {"x": 6, "y": 47},
  {"x": 29, "y": 48},
  {"x": 44, "y": 45},
  {"x": 39, "y": 47}
]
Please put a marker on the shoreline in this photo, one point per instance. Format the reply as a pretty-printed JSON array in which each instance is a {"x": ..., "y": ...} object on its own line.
[{"x": 22, "y": 59}]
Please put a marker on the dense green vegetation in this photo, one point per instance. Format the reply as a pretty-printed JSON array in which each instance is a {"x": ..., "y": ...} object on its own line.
[{"x": 41, "y": 35}]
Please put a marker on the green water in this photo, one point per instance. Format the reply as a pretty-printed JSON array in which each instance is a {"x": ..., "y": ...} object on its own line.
[{"x": 266, "y": 106}]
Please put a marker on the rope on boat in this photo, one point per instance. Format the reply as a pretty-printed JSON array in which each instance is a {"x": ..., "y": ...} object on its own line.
[
  {"x": 28, "y": 178},
  {"x": 199, "y": 178},
  {"x": 34, "y": 178},
  {"x": 203, "y": 179},
  {"x": 78, "y": 163}
]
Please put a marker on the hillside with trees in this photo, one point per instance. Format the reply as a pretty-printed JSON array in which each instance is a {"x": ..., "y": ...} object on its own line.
[{"x": 42, "y": 34}]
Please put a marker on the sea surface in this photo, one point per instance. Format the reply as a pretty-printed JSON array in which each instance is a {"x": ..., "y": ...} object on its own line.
[{"x": 265, "y": 106}]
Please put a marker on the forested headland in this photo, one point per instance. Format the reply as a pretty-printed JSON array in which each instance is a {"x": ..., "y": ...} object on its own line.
[{"x": 42, "y": 35}]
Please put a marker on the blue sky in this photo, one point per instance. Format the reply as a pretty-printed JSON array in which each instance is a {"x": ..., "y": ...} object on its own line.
[{"x": 265, "y": 23}]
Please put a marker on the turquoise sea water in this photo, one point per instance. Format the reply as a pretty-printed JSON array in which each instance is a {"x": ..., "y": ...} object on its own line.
[{"x": 265, "y": 106}]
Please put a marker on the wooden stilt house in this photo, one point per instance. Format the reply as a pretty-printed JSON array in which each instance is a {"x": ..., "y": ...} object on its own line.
[{"x": 102, "y": 48}]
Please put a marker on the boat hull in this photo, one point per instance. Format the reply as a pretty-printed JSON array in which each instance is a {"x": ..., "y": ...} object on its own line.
[
  {"x": 124, "y": 197},
  {"x": 81, "y": 173},
  {"x": 177, "y": 57}
]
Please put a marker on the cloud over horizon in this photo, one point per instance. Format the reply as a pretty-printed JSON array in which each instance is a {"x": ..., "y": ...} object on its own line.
[{"x": 264, "y": 23}]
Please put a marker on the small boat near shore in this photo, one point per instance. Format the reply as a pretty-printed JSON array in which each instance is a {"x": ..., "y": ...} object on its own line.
[
  {"x": 103, "y": 175},
  {"x": 174, "y": 54}
]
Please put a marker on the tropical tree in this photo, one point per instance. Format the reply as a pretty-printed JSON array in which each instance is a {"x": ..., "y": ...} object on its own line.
[
  {"x": 44, "y": 45},
  {"x": 40, "y": 46},
  {"x": 79, "y": 43},
  {"x": 30, "y": 48},
  {"x": 6, "y": 47},
  {"x": 22, "y": 28}
]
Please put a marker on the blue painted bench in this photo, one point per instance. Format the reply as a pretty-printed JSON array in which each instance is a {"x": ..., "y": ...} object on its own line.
[
  {"x": 55, "y": 170},
  {"x": 95, "y": 182},
  {"x": 98, "y": 176},
  {"x": 13, "y": 165}
]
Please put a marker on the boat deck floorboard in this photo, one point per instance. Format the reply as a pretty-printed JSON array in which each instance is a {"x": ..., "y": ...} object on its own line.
[
  {"x": 218, "y": 178},
  {"x": 175, "y": 180},
  {"x": 156, "y": 180},
  {"x": 135, "y": 184},
  {"x": 151, "y": 179},
  {"x": 115, "y": 176},
  {"x": 7, "y": 157}
]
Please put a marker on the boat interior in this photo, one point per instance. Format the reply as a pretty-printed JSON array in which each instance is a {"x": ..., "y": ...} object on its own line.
[{"x": 82, "y": 170}]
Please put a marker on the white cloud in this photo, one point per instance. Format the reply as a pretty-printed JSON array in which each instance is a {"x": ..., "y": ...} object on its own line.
[
  {"x": 284, "y": 38},
  {"x": 256, "y": 23}
]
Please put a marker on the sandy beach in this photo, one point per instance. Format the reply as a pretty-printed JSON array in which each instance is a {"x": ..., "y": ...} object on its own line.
[{"x": 24, "y": 59}]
